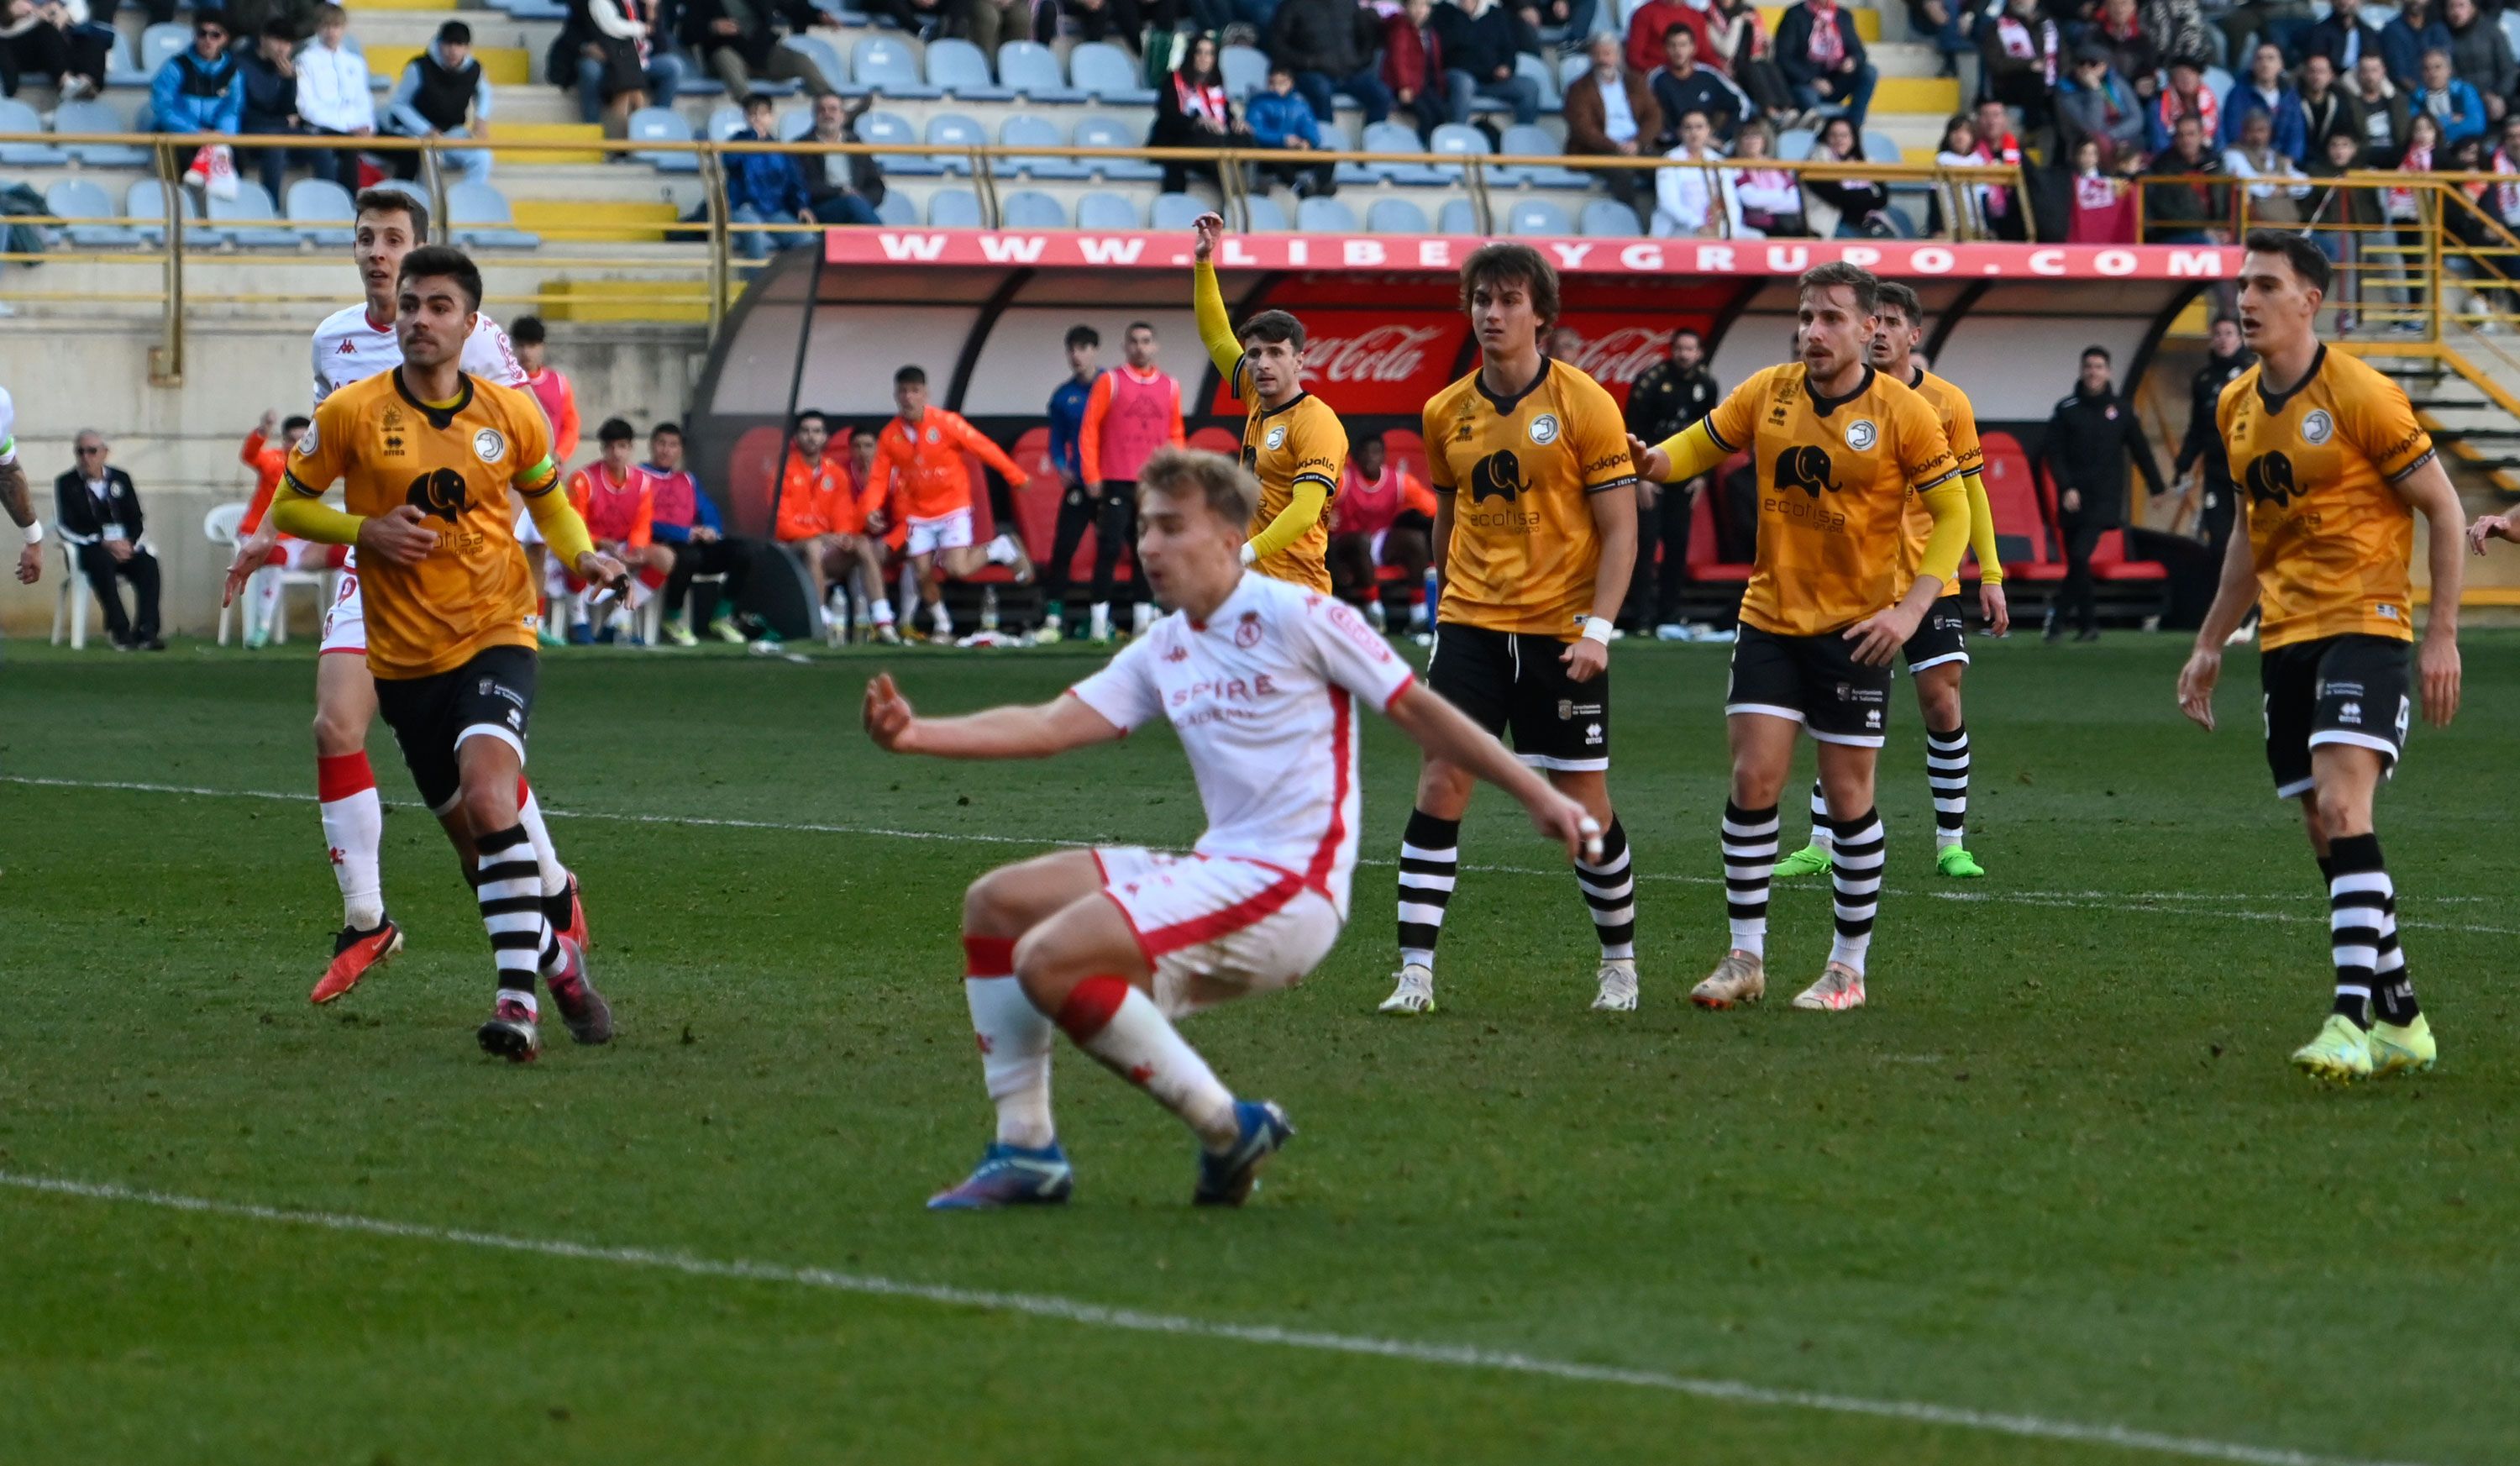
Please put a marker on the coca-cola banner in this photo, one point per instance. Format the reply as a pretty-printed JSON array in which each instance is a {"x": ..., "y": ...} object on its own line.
[
  {"x": 1390, "y": 362},
  {"x": 1904, "y": 260}
]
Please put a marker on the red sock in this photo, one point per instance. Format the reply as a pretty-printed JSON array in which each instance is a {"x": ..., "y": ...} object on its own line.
[
  {"x": 1090, "y": 1005},
  {"x": 988, "y": 956},
  {"x": 652, "y": 578},
  {"x": 337, "y": 776}
]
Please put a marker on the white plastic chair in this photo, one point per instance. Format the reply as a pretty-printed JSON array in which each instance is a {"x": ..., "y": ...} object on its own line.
[
  {"x": 220, "y": 526},
  {"x": 73, "y": 606}
]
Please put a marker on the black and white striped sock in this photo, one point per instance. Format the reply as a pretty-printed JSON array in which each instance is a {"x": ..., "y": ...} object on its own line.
[
  {"x": 510, "y": 890},
  {"x": 2359, "y": 895},
  {"x": 1946, "y": 770},
  {"x": 1610, "y": 890},
  {"x": 2393, "y": 993},
  {"x": 1823, "y": 827},
  {"x": 1430, "y": 864},
  {"x": 1854, "y": 871},
  {"x": 1749, "y": 860}
]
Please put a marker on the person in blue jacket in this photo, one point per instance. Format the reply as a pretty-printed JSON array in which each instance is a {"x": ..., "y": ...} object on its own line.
[
  {"x": 2450, "y": 101},
  {"x": 201, "y": 90},
  {"x": 765, "y": 188},
  {"x": 2417, "y": 29},
  {"x": 1280, "y": 117},
  {"x": 2264, "y": 90}
]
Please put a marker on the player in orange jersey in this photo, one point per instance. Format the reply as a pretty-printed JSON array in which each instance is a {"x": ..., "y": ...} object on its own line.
[
  {"x": 923, "y": 447},
  {"x": 2335, "y": 467},
  {"x": 618, "y": 500}
]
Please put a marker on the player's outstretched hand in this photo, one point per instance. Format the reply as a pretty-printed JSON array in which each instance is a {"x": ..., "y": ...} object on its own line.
[
  {"x": 1878, "y": 637},
  {"x": 398, "y": 534},
  {"x": 889, "y": 715},
  {"x": 1204, "y": 232},
  {"x": 1585, "y": 658},
  {"x": 252, "y": 552},
  {"x": 30, "y": 565},
  {"x": 1563, "y": 820},
  {"x": 2493, "y": 527},
  {"x": 2196, "y": 682},
  {"x": 1653, "y": 465},
  {"x": 1992, "y": 605},
  {"x": 2438, "y": 663}
]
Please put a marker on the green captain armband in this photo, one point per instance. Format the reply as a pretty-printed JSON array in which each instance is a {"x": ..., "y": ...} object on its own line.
[{"x": 540, "y": 476}]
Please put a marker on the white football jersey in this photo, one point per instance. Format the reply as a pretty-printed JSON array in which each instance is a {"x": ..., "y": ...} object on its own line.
[
  {"x": 8, "y": 429},
  {"x": 1264, "y": 697},
  {"x": 348, "y": 348}
]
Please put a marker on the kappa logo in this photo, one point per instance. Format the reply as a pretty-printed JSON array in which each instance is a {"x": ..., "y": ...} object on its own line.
[
  {"x": 2317, "y": 428},
  {"x": 346, "y": 348},
  {"x": 1862, "y": 434},
  {"x": 1544, "y": 428},
  {"x": 445, "y": 494},
  {"x": 1499, "y": 475},
  {"x": 2269, "y": 480},
  {"x": 1806, "y": 467}
]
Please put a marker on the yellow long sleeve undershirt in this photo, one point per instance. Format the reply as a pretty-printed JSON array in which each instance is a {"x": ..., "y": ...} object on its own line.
[
  {"x": 1990, "y": 560},
  {"x": 1957, "y": 505},
  {"x": 1301, "y": 513},
  {"x": 1948, "y": 502},
  {"x": 296, "y": 513},
  {"x": 1215, "y": 327},
  {"x": 293, "y": 512}
]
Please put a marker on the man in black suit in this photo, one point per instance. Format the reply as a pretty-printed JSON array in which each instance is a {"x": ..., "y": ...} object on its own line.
[{"x": 100, "y": 518}]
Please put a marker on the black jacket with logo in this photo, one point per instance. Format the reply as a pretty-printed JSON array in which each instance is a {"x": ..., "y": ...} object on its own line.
[
  {"x": 1666, "y": 400},
  {"x": 2204, "y": 440},
  {"x": 2089, "y": 441}
]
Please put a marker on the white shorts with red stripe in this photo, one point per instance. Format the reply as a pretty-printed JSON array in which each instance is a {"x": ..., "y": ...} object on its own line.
[
  {"x": 345, "y": 626},
  {"x": 951, "y": 533},
  {"x": 1216, "y": 928}
]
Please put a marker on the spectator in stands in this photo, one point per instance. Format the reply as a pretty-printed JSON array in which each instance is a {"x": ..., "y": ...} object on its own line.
[
  {"x": 611, "y": 52},
  {"x": 1572, "y": 19},
  {"x": 1692, "y": 202},
  {"x": 1611, "y": 112},
  {"x": 2265, "y": 92},
  {"x": 1682, "y": 86},
  {"x": 270, "y": 75},
  {"x": 2481, "y": 55},
  {"x": 738, "y": 41},
  {"x": 1326, "y": 46},
  {"x": 333, "y": 99},
  {"x": 1481, "y": 39},
  {"x": 1844, "y": 207},
  {"x": 2097, "y": 103},
  {"x": 2357, "y": 218},
  {"x": 2119, "y": 30},
  {"x": 924, "y": 18},
  {"x": 1193, "y": 111},
  {"x": 1412, "y": 65},
  {"x": 1951, "y": 23},
  {"x": 1382, "y": 517},
  {"x": 2186, "y": 96},
  {"x": 765, "y": 188},
  {"x": 618, "y": 502},
  {"x": 2343, "y": 37},
  {"x": 2449, "y": 100},
  {"x": 2103, "y": 210},
  {"x": 1281, "y": 120},
  {"x": 2325, "y": 111},
  {"x": 53, "y": 40},
  {"x": 1737, "y": 45},
  {"x": 2386, "y": 112},
  {"x": 2187, "y": 212},
  {"x": 1959, "y": 150},
  {"x": 842, "y": 188},
  {"x": 1822, "y": 58},
  {"x": 2277, "y": 23},
  {"x": 443, "y": 93},
  {"x": 2504, "y": 201},
  {"x": 1666, "y": 398},
  {"x": 199, "y": 90},
  {"x": 1768, "y": 201},
  {"x": 2176, "y": 29},
  {"x": 2403, "y": 209},
  {"x": 249, "y": 19},
  {"x": 685, "y": 521},
  {"x": 2005, "y": 212},
  {"x": 2092, "y": 435},
  {"x": 2406, "y": 39},
  {"x": 99, "y": 517},
  {"x": 991, "y": 23},
  {"x": 1649, "y": 31},
  {"x": 2020, "y": 56},
  {"x": 2274, "y": 195}
]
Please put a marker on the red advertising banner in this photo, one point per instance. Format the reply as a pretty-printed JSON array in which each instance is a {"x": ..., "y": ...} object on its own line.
[
  {"x": 1390, "y": 362},
  {"x": 1909, "y": 259}
]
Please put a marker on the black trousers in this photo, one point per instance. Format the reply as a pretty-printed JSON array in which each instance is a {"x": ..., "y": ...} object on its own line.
[
  {"x": 2079, "y": 597},
  {"x": 731, "y": 558},
  {"x": 141, "y": 569},
  {"x": 1116, "y": 530},
  {"x": 1077, "y": 509},
  {"x": 1653, "y": 591}
]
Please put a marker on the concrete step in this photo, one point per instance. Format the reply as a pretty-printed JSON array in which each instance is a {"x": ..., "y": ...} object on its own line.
[
  {"x": 506, "y": 131},
  {"x": 504, "y": 65}
]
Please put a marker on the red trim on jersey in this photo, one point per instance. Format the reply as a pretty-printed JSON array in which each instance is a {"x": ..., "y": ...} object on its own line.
[
  {"x": 337, "y": 776},
  {"x": 988, "y": 956},
  {"x": 1406, "y": 684},
  {"x": 1326, "y": 854},
  {"x": 343, "y": 652},
  {"x": 1090, "y": 1006}
]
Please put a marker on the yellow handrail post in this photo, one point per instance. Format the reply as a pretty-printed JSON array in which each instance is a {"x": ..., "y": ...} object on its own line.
[
  {"x": 721, "y": 268},
  {"x": 167, "y": 360}
]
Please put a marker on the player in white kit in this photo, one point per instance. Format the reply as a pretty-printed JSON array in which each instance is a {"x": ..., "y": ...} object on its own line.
[
  {"x": 351, "y": 347},
  {"x": 1262, "y": 680},
  {"x": 14, "y": 497}
]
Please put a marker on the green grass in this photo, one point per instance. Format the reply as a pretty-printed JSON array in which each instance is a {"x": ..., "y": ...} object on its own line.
[{"x": 2059, "y": 1169}]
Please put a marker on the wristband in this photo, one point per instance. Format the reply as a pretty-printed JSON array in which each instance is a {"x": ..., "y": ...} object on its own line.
[
  {"x": 34, "y": 532},
  {"x": 1597, "y": 629}
]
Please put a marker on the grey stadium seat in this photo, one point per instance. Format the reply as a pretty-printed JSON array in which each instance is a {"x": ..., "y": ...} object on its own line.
[
  {"x": 1266, "y": 216},
  {"x": 144, "y": 203},
  {"x": 81, "y": 199},
  {"x": 958, "y": 70},
  {"x": 1031, "y": 208},
  {"x": 1395, "y": 216},
  {"x": 1176, "y": 211},
  {"x": 887, "y": 66},
  {"x": 663, "y": 125},
  {"x": 72, "y": 118},
  {"x": 954, "y": 208},
  {"x": 17, "y": 117},
  {"x": 321, "y": 211},
  {"x": 1246, "y": 71},
  {"x": 1107, "y": 211},
  {"x": 952, "y": 129},
  {"x": 1105, "y": 72},
  {"x": 1324, "y": 216},
  {"x": 1027, "y": 131},
  {"x": 1609, "y": 219},
  {"x": 1111, "y": 132},
  {"x": 1537, "y": 216},
  {"x": 1534, "y": 142},
  {"x": 1388, "y": 137},
  {"x": 478, "y": 217},
  {"x": 892, "y": 127},
  {"x": 1030, "y": 70},
  {"x": 896, "y": 210},
  {"x": 249, "y": 220},
  {"x": 1458, "y": 217}
]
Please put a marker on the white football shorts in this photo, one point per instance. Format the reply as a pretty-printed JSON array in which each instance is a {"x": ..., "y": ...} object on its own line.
[
  {"x": 1217, "y": 928},
  {"x": 952, "y": 533}
]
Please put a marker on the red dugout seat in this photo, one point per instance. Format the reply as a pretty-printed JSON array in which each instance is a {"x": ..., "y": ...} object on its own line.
[{"x": 1703, "y": 551}]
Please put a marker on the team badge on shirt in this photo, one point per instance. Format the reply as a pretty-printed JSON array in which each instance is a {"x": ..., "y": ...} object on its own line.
[
  {"x": 489, "y": 446},
  {"x": 1862, "y": 434},
  {"x": 2317, "y": 428},
  {"x": 1544, "y": 428},
  {"x": 1278, "y": 437}
]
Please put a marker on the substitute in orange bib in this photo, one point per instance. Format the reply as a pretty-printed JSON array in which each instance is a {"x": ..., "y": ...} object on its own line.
[
  {"x": 432, "y": 462},
  {"x": 618, "y": 500},
  {"x": 1838, "y": 449},
  {"x": 267, "y": 452},
  {"x": 1292, "y": 442},
  {"x": 823, "y": 513},
  {"x": 923, "y": 448},
  {"x": 1382, "y": 517}
]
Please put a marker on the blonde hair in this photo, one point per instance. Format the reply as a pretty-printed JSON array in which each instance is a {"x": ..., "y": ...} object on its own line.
[{"x": 1230, "y": 493}]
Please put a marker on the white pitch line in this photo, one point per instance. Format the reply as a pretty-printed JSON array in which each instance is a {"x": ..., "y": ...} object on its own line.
[
  {"x": 1132, "y": 1320},
  {"x": 2131, "y": 902}
]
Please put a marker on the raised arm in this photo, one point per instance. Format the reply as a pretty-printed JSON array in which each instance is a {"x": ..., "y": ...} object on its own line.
[
  {"x": 1215, "y": 326},
  {"x": 1035, "y": 732}
]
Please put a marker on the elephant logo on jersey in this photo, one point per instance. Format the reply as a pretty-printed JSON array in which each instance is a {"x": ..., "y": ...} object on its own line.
[
  {"x": 443, "y": 494},
  {"x": 1499, "y": 475},
  {"x": 1806, "y": 467},
  {"x": 2269, "y": 480}
]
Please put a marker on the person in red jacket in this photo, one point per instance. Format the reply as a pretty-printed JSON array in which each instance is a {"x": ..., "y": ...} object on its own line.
[
  {"x": 552, "y": 388},
  {"x": 923, "y": 448},
  {"x": 1382, "y": 516},
  {"x": 1645, "y": 48},
  {"x": 1412, "y": 66},
  {"x": 267, "y": 452}
]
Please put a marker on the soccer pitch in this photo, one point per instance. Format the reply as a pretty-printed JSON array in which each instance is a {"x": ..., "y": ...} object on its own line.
[{"x": 2055, "y": 1197}]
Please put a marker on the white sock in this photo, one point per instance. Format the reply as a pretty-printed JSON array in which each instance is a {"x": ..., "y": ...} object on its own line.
[
  {"x": 354, "y": 824},
  {"x": 529, "y": 813},
  {"x": 1014, "y": 1058},
  {"x": 1134, "y": 1040},
  {"x": 1822, "y": 824},
  {"x": 1097, "y": 620},
  {"x": 883, "y": 611},
  {"x": 576, "y": 607},
  {"x": 943, "y": 618},
  {"x": 265, "y": 604}
]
